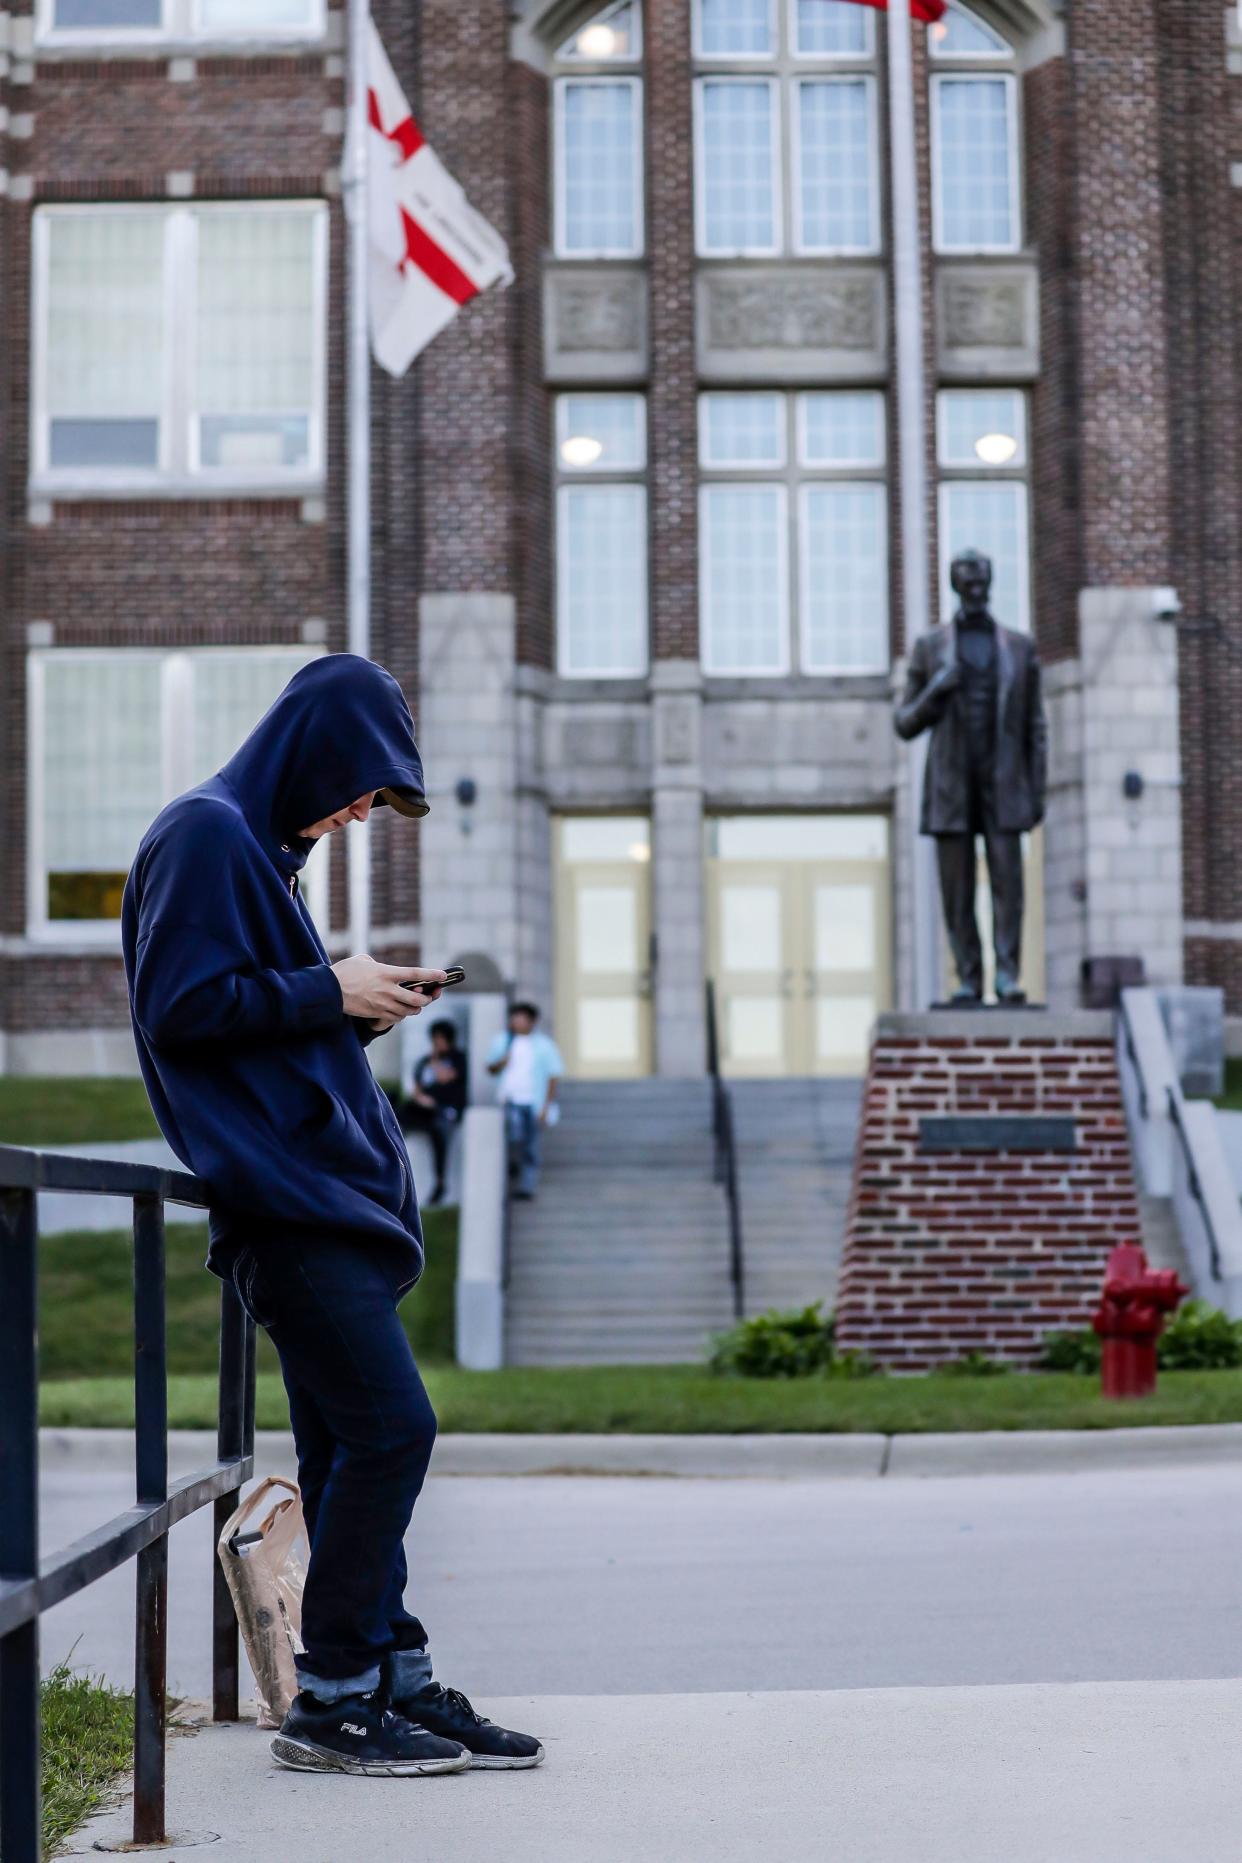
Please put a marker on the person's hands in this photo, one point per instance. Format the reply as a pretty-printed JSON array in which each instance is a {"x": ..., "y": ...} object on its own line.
[{"x": 374, "y": 992}]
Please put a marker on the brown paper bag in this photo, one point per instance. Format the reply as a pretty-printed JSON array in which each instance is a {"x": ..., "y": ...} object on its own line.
[{"x": 264, "y": 1552}]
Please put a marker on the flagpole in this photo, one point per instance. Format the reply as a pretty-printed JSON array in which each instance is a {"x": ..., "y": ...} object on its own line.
[
  {"x": 358, "y": 438},
  {"x": 912, "y": 462}
]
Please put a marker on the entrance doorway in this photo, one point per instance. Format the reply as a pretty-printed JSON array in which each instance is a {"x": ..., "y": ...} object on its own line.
[
  {"x": 799, "y": 939},
  {"x": 603, "y": 972}
]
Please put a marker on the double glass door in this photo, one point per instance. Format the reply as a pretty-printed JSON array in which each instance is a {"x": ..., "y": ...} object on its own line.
[
  {"x": 603, "y": 1018},
  {"x": 799, "y": 940}
]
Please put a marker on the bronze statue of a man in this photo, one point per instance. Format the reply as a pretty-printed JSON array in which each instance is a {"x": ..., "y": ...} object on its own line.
[{"x": 976, "y": 686}]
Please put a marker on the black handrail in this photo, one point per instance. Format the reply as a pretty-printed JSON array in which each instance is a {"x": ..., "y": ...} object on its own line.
[
  {"x": 725, "y": 1156},
  {"x": 1192, "y": 1179},
  {"x": 29, "y": 1586}
]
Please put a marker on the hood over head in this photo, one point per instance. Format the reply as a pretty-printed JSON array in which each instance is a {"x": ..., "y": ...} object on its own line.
[{"x": 340, "y": 729}]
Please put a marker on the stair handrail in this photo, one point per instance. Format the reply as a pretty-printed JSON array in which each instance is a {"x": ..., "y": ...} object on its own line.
[{"x": 724, "y": 1162}]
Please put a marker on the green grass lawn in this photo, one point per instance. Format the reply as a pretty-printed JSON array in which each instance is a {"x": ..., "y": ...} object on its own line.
[
  {"x": 51, "y": 1112},
  {"x": 87, "y": 1743},
  {"x": 1231, "y": 1098}
]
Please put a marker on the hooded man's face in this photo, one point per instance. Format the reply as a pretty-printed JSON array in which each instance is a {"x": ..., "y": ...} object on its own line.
[{"x": 356, "y": 812}]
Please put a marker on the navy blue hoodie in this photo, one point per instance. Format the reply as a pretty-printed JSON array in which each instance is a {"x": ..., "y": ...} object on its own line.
[{"x": 257, "y": 1077}]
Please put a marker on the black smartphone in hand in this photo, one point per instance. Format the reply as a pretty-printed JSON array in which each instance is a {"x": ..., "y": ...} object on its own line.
[{"x": 454, "y": 974}]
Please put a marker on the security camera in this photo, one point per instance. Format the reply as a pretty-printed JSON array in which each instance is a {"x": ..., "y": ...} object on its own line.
[{"x": 1165, "y": 605}]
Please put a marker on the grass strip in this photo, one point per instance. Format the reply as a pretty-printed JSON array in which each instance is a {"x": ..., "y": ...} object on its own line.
[
  {"x": 45, "y": 1113},
  {"x": 88, "y": 1731}
]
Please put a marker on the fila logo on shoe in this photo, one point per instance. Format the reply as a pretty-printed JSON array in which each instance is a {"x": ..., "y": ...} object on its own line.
[{"x": 351, "y": 1727}]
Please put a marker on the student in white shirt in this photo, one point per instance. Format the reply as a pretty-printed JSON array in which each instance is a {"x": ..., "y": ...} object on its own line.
[{"x": 530, "y": 1067}]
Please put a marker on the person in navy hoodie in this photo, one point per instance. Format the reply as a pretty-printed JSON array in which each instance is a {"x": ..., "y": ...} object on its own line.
[{"x": 252, "y": 1048}]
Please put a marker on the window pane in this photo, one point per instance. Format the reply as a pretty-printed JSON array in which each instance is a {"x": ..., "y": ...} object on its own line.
[
  {"x": 601, "y": 433},
  {"x": 599, "y": 130},
  {"x": 255, "y": 338},
  {"x": 104, "y": 15},
  {"x": 737, "y": 175},
  {"x": 834, "y": 140},
  {"x": 102, "y": 777},
  {"x": 832, "y": 28},
  {"x": 105, "y": 332},
  {"x": 842, "y": 427},
  {"x": 960, "y": 35},
  {"x": 613, "y": 33},
  {"x": 744, "y": 599},
  {"x": 976, "y": 183},
  {"x": 742, "y": 430},
  {"x": 231, "y": 692},
  {"x": 985, "y": 426},
  {"x": 254, "y": 16},
  {"x": 845, "y": 579},
  {"x": 603, "y": 579},
  {"x": 732, "y": 28},
  {"x": 992, "y": 518},
  {"x": 605, "y": 837}
]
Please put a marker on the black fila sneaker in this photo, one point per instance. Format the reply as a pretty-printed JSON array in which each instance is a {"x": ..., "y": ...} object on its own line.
[
  {"x": 446, "y": 1711},
  {"x": 361, "y": 1734}
]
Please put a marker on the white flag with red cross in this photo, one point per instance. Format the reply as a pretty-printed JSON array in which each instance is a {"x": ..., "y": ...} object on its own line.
[{"x": 430, "y": 251}]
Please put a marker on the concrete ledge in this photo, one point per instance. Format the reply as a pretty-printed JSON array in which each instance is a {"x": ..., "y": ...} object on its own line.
[
  {"x": 775, "y": 1457},
  {"x": 997, "y": 1024}
]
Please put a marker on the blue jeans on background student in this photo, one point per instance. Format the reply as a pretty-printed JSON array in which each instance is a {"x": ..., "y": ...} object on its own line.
[
  {"x": 525, "y": 1132},
  {"x": 363, "y": 1428}
]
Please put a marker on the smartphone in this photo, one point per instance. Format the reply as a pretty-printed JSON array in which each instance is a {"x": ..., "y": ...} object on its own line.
[{"x": 454, "y": 974}]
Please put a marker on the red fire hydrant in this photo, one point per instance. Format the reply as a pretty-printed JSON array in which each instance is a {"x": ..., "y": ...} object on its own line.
[{"x": 1135, "y": 1302}]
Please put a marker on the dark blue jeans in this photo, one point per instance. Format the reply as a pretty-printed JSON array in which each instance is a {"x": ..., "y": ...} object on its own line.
[
  {"x": 363, "y": 1428},
  {"x": 525, "y": 1133}
]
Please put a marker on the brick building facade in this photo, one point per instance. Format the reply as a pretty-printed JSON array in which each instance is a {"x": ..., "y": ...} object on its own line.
[{"x": 636, "y": 523}]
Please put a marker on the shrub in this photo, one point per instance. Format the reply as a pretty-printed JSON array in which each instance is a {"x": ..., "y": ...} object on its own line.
[
  {"x": 795, "y": 1344},
  {"x": 1200, "y": 1338},
  {"x": 975, "y": 1365},
  {"x": 1071, "y": 1352}
]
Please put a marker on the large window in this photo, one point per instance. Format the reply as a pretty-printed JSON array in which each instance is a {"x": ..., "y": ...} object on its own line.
[
  {"x": 120, "y": 20},
  {"x": 601, "y": 543},
  {"x": 974, "y": 118},
  {"x": 982, "y": 450},
  {"x": 785, "y": 90},
  {"x": 114, "y": 735},
  {"x": 793, "y": 532},
  {"x": 598, "y": 137},
  {"x": 179, "y": 347}
]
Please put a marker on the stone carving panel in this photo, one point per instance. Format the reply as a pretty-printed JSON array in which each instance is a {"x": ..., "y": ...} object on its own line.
[
  {"x": 987, "y": 319},
  {"x": 785, "y": 322},
  {"x": 595, "y": 323}
]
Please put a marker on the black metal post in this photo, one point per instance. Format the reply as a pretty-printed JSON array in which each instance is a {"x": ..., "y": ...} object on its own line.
[
  {"x": 151, "y": 1470},
  {"x": 230, "y": 1444},
  {"x": 20, "y": 1812}
]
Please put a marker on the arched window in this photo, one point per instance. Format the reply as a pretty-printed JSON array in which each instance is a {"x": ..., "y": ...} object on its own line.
[
  {"x": 976, "y": 192},
  {"x": 598, "y": 138}
]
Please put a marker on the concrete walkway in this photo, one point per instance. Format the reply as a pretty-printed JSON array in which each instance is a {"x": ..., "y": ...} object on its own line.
[{"x": 1068, "y": 1773}]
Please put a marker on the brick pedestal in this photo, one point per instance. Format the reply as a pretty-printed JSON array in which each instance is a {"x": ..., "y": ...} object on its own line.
[{"x": 953, "y": 1251}]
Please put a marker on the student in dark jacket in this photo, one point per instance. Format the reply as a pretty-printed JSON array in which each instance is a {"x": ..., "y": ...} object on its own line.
[
  {"x": 437, "y": 1099},
  {"x": 252, "y": 1048}
]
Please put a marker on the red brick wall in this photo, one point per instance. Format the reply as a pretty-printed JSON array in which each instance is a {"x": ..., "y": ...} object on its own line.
[{"x": 948, "y": 1253}]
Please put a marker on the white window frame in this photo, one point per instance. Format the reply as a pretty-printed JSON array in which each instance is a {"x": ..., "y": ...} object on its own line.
[
  {"x": 833, "y": 58},
  {"x": 176, "y": 718},
  {"x": 1003, "y": 53},
  {"x": 939, "y": 243},
  {"x": 638, "y": 670},
  {"x": 181, "y": 25},
  {"x": 733, "y": 58},
  {"x": 602, "y": 465},
  {"x": 714, "y": 669},
  {"x": 775, "y": 138},
  {"x": 872, "y": 463},
  {"x": 613, "y": 59},
  {"x": 635, "y": 86},
  {"x": 177, "y": 474},
  {"x": 746, "y": 466},
  {"x": 976, "y": 468},
  {"x": 798, "y": 245},
  {"x": 1023, "y": 620},
  {"x": 834, "y": 669}
]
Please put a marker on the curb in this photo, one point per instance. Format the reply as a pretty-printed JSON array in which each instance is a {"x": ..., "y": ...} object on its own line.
[{"x": 775, "y": 1457}]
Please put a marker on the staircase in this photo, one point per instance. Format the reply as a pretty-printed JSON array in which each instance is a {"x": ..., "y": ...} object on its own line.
[
  {"x": 623, "y": 1258},
  {"x": 795, "y": 1149}
]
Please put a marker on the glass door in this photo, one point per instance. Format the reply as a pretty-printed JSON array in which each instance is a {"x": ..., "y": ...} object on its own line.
[{"x": 604, "y": 945}]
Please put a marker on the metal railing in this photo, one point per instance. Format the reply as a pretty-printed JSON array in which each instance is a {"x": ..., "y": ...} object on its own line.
[
  {"x": 1193, "y": 1184},
  {"x": 30, "y": 1585},
  {"x": 725, "y": 1156}
]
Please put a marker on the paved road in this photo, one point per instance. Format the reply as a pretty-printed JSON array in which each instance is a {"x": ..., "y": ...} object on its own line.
[{"x": 631, "y": 1587}]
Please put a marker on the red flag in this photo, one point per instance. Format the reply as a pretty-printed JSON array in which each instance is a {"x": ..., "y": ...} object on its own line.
[{"x": 929, "y": 11}]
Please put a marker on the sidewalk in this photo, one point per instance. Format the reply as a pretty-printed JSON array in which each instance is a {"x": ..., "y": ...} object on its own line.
[
  {"x": 790, "y": 1457},
  {"x": 1060, "y": 1773}
]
